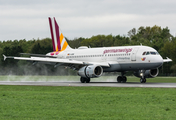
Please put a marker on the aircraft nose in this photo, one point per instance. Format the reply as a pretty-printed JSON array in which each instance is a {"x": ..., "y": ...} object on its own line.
[
  {"x": 159, "y": 61},
  {"x": 156, "y": 61}
]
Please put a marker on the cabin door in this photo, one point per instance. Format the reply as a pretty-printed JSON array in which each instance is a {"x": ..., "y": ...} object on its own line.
[{"x": 133, "y": 56}]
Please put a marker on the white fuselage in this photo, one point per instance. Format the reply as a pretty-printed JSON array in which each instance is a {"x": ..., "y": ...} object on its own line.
[{"x": 125, "y": 58}]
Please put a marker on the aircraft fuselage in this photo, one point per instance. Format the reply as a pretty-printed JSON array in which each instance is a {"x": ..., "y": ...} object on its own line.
[{"x": 125, "y": 58}]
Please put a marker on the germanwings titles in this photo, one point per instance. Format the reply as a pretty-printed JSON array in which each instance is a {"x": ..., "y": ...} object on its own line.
[{"x": 89, "y": 63}]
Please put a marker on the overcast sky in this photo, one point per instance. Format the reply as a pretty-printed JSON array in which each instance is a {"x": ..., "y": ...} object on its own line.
[{"x": 28, "y": 19}]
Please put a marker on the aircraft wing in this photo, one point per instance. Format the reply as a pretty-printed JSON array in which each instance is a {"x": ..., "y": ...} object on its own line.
[
  {"x": 167, "y": 60},
  {"x": 38, "y": 55},
  {"x": 59, "y": 61}
]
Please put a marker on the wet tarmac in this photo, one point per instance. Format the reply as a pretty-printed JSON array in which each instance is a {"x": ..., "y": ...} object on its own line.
[{"x": 97, "y": 84}]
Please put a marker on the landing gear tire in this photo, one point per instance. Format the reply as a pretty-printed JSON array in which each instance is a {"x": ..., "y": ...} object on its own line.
[
  {"x": 121, "y": 79},
  {"x": 83, "y": 80},
  {"x": 87, "y": 80},
  {"x": 143, "y": 80},
  {"x": 124, "y": 79}
]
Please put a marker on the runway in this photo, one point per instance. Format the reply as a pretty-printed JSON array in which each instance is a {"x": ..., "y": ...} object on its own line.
[{"x": 97, "y": 84}]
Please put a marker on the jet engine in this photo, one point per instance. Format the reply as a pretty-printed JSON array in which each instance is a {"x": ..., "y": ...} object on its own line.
[
  {"x": 90, "y": 71},
  {"x": 148, "y": 73}
]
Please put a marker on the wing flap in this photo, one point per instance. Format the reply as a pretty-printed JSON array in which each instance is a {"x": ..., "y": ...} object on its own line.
[{"x": 38, "y": 55}]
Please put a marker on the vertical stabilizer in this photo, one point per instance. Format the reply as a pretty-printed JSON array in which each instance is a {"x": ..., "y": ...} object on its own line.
[{"x": 58, "y": 40}]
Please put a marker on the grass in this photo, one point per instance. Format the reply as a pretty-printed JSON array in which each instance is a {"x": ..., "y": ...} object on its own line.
[{"x": 89, "y": 103}]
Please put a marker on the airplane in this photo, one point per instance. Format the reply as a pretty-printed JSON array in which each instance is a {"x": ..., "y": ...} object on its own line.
[{"x": 90, "y": 63}]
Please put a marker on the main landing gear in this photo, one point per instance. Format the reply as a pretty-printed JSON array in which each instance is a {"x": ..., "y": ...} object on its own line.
[
  {"x": 122, "y": 78},
  {"x": 84, "y": 80}
]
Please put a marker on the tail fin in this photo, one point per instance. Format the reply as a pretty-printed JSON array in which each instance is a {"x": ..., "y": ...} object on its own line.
[{"x": 58, "y": 40}]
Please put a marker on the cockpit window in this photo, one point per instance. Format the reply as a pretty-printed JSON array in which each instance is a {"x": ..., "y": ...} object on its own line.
[
  {"x": 153, "y": 53},
  {"x": 147, "y": 53},
  {"x": 144, "y": 53},
  {"x": 150, "y": 53}
]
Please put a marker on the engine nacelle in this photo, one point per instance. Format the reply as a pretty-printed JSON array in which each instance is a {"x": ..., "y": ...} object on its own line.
[
  {"x": 148, "y": 73},
  {"x": 90, "y": 71}
]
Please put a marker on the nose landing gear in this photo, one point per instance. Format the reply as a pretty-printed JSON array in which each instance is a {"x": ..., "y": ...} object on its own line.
[{"x": 143, "y": 79}]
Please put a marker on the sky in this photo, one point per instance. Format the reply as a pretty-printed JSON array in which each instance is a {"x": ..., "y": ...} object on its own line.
[{"x": 28, "y": 19}]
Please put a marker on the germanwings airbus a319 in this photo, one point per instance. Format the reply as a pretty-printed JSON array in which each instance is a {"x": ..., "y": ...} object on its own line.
[{"x": 144, "y": 61}]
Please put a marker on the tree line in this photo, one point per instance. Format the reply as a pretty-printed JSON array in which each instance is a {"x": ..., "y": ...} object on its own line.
[{"x": 156, "y": 37}]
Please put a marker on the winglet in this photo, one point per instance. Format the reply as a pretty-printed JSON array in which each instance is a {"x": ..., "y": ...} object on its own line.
[
  {"x": 167, "y": 60},
  {"x": 4, "y": 57}
]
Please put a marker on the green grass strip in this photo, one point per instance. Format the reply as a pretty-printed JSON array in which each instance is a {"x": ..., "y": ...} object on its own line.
[{"x": 89, "y": 103}]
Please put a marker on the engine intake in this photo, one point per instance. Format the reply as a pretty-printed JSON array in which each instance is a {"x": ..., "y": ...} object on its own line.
[
  {"x": 148, "y": 73},
  {"x": 90, "y": 71}
]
